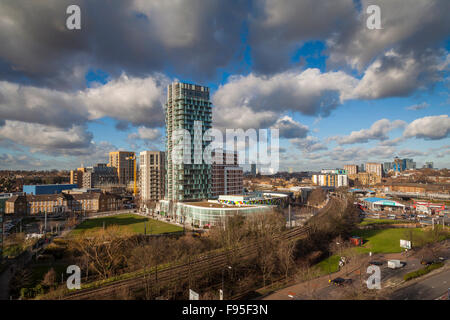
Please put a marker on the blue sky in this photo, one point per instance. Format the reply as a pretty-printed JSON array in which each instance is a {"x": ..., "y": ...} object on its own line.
[{"x": 338, "y": 92}]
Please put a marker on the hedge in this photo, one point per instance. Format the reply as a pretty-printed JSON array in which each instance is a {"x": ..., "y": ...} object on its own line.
[{"x": 423, "y": 271}]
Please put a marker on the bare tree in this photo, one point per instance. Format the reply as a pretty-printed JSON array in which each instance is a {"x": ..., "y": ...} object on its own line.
[
  {"x": 104, "y": 249},
  {"x": 285, "y": 255}
]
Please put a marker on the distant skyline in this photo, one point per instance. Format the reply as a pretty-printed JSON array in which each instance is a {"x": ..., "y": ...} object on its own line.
[{"x": 338, "y": 92}]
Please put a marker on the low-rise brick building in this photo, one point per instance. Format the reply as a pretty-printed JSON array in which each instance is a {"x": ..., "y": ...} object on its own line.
[{"x": 63, "y": 202}]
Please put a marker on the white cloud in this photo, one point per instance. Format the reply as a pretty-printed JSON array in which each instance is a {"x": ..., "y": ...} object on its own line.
[
  {"x": 49, "y": 139},
  {"x": 135, "y": 100},
  {"x": 289, "y": 128},
  {"x": 420, "y": 106},
  {"x": 308, "y": 144},
  {"x": 429, "y": 128},
  {"x": 309, "y": 92},
  {"x": 378, "y": 131}
]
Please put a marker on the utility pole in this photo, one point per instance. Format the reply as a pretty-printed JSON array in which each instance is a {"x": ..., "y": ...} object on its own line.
[
  {"x": 45, "y": 222},
  {"x": 289, "y": 210}
]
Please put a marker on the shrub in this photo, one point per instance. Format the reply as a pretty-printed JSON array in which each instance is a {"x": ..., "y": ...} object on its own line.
[{"x": 423, "y": 271}]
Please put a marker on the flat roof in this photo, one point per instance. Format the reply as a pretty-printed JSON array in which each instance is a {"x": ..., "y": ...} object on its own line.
[
  {"x": 375, "y": 199},
  {"x": 206, "y": 204}
]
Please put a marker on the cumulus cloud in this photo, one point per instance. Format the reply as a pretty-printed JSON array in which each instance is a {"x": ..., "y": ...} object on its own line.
[
  {"x": 378, "y": 131},
  {"x": 309, "y": 92},
  {"x": 49, "y": 139},
  {"x": 278, "y": 28},
  {"x": 308, "y": 144},
  {"x": 145, "y": 134},
  {"x": 417, "y": 29},
  {"x": 429, "y": 128},
  {"x": 289, "y": 128},
  {"x": 394, "y": 74},
  {"x": 135, "y": 100},
  {"x": 136, "y": 36}
]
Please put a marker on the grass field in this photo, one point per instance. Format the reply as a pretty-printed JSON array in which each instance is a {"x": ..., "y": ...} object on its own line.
[
  {"x": 329, "y": 265},
  {"x": 130, "y": 222},
  {"x": 385, "y": 240},
  {"x": 369, "y": 221}
]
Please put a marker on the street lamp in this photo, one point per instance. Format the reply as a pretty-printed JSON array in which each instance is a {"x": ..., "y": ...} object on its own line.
[{"x": 229, "y": 267}]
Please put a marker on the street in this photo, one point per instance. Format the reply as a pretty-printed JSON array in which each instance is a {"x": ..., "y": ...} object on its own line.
[{"x": 426, "y": 289}]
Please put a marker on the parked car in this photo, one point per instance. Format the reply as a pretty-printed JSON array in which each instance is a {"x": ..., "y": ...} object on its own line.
[
  {"x": 340, "y": 281},
  {"x": 376, "y": 263}
]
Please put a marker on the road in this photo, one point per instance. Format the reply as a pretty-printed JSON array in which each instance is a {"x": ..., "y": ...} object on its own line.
[{"x": 427, "y": 289}]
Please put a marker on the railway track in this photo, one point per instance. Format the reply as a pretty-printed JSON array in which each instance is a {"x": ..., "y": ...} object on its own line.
[{"x": 208, "y": 262}]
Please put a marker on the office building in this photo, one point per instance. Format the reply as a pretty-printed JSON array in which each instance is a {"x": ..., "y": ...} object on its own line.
[
  {"x": 410, "y": 164},
  {"x": 152, "y": 174},
  {"x": 124, "y": 164},
  {"x": 351, "y": 168},
  {"x": 227, "y": 176},
  {"x": 429, "y": 165},
  {"x": 187, "y": 107},
  {"x": 253, "y": 169}
]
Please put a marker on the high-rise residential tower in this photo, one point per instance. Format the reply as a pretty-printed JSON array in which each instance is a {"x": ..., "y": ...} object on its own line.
[
  {"x": 152, "y": 175},
  {"x": 187, "y": 107}
]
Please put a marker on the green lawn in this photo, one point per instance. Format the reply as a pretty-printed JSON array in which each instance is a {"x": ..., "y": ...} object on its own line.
[
  {"x": 131, "y": 222},
  {"x": 385, "y": 240},
  {"x": 369, "y": 221},
  {"x": 330, "y": 264}
]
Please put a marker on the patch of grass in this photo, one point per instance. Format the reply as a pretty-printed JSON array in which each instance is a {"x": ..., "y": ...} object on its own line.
[
  {"x": 385, "y": 240},
  {"x": 130, "y": 222},
  {"x": 423, "y": 271},
  {"x": 369, "y": 221},
  {"x": 330, "y": 264}
]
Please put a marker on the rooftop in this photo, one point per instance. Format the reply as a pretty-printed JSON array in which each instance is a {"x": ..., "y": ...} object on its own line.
[{"x": 207, "y": 204}]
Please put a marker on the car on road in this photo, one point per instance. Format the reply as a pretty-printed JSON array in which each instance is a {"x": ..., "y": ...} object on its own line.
[
  {"x": 376, "y": 263},
  {"x": 340, "y": 281}
]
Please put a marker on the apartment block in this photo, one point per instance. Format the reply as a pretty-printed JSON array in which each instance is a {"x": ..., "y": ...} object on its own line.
[
  {"x": 76, "y": 177},
  {"x": 376, "y": 168},
  {"x": 99, "y": 176},
  {"x": 227, "y": 176},
  {"x": 122, "y": 161},
  {"x": 152, "y": 165},
  {"x": 364, "y": 178},
  {"x": 188, "y": 107},
  {"x": 351, "y": 168},
  {"x": 330, "y": 180}
]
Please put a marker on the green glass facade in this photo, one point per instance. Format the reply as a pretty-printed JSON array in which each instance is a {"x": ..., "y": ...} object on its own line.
[{"x": 186, "y": 104}]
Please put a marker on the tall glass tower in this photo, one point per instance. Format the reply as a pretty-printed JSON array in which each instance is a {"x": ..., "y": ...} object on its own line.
[{"x": 187, "y": 107}]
